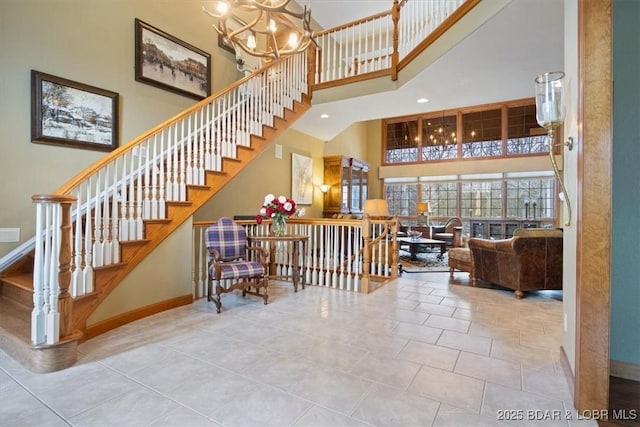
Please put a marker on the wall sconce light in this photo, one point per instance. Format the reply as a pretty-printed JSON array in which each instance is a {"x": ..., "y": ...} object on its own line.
[
  {"x": 550, "y": 113},
  {"x": 324, "y": 188}
]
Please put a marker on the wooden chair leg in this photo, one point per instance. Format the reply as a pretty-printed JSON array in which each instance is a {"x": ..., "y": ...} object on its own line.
[
  {"x": 265, "y": 284},
  {"x": 217, "y": 299}
]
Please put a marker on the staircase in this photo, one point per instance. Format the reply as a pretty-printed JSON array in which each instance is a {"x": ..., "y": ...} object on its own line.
[
  {"x": 95, "y": 229},
  {"x": 126, "y": 205}
]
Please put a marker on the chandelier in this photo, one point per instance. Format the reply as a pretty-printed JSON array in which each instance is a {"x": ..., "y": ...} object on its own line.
[
  {"x": 441, "y": 134},
  {"x": 262, "y": 28}
]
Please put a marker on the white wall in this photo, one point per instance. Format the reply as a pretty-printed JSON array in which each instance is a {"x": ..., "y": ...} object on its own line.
[
  {"x": 91, "y": 42},
  {"x": 570, "y": 178}
]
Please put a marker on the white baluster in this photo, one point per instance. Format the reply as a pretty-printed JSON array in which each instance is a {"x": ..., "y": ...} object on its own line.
[
  {"x": 97, "y": 229},
  {"x": 87, "y": 272},
  {"x": 106, "y": 216},
  {"x": 200, "y": 176},
  {"x": 161, "y": 178},
  {"x": 138, "y": 202},
  {"x": 115, "y": 226},
  {"x": 124, "y": 219},
  {"x": 38, "y": 314},
  {"x": 146, "y": 203},
  {"x": 76, "y": 268},
  {"x": 153, "y": 206},
  {"x": 208, "y": 163},
  {"x": 132, "y": 198},
  {"x": 188, "y": 140},
  {"x": 53, "y": 316},
  {"x": 182, "y": 187}
]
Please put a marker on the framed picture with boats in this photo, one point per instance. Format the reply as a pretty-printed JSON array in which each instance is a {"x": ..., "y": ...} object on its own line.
[{"x": 167, "y": 62}]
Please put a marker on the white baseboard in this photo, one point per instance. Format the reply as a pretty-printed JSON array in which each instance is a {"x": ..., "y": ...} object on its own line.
[{"x": 629, "y": 371}]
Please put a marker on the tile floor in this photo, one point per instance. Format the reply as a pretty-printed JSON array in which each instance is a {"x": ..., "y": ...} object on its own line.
[{"x": 417, "y": 352}]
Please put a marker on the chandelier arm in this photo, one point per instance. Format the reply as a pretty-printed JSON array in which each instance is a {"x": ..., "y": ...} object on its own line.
[
  {"x": 280, "y": 8},
  {"x": 267, "y": 13}
]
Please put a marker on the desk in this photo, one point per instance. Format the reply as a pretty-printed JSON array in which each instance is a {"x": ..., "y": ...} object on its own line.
[
  {"x": 297, "y": 240},
  {"x": 414, "y": 243}
]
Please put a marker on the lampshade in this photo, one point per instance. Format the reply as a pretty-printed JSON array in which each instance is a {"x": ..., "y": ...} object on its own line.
[
  {"x": 324, "y": 187},
  {"x": 422, "y": 207},
  {"x": 376, "y": 207}
]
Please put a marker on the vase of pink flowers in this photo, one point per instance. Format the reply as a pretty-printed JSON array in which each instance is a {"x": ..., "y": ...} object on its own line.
[{"x": 278, "y": 209}]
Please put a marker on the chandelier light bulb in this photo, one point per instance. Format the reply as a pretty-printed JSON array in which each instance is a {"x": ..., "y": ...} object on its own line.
[
  {"x": 222, "y": 7},
  {"x": 240, "y": 21},
  {"x": 293, "y": 39},
  {"x": 251, "y": 41}
]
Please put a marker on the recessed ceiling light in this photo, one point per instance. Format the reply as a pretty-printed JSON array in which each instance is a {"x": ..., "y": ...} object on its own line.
[
  {"x": 422, "y": 100},
  {"x": 324, "y": 116}
]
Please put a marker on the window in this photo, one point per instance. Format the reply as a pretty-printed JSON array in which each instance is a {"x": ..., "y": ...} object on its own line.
[
  {"x": 482, "y": 134},
  {"x": 439, "y": 139},
  {"x": 442, "y": 196},
  {"x": 521, "y": 195},
  {"x": 402, "y": 198},
  {"x": 471, "y": 132},
  {"x": 524, "y": 135},
  {"x": 481, "y": 198},
  {"x": 530, "y": 198},
  {"x": 402, "y": 142}
]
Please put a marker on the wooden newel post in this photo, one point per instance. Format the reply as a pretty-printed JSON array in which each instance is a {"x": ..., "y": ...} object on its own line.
[
  {"x": 394, "y": 247},
  {"x": 395, "y": 55},
  {"x": 65, "y": 303},
  {"x": 312, "y": 53}
]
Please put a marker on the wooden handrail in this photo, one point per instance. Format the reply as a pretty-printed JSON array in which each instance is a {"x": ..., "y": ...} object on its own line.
[
  {"x": 451, "y": 20},
  {"x": 91, "y": 170},
  {"x": 353, "y": 23}
]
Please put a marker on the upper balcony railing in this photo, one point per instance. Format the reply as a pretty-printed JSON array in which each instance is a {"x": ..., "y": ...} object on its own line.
[{"x": 380, "y": 44}]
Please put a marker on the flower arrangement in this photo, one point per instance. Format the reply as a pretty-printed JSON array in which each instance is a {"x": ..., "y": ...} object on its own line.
[{"x": 279, "y": 209}]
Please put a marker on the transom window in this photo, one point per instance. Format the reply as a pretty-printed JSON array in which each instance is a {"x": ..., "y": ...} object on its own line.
[{"x": 472, "y": 132}]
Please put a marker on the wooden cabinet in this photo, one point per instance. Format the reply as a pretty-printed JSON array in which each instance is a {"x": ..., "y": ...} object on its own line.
[
  {"x": 349, "y": 180},
  {"x": 503, "y": 229}
]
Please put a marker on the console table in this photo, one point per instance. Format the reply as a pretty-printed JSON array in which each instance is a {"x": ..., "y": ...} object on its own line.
[{"x": 298, "y": 242}]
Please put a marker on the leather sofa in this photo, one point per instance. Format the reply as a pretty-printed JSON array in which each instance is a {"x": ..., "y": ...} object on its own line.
[{"x": 530, "y": 260}]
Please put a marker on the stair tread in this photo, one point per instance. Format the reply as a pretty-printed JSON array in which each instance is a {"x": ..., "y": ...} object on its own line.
[
  {"x": 24, "y": 280},
  {"x": 15, "y": 319}
]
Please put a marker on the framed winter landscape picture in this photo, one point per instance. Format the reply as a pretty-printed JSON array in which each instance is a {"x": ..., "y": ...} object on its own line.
[
  {"x": 301, "y": 179},
  {"x": 166, "y": 62},
  {"x": 68, "y": 113}
]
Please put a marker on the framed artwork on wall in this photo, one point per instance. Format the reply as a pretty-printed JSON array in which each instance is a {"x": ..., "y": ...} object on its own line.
[
  {"x": 73, "y": 114},
  {"x": 166, "y": 62},
  {"x": 301, "y": 179}
]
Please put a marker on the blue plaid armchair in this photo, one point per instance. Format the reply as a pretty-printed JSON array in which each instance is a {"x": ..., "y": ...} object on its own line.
[{"x": 233, "y": 264}]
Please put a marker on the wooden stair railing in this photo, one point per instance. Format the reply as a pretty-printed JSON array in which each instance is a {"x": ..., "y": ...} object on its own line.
[
  {"x": 384, "y": 43},
  {"x": 133, "y": 198},
  {"x": 138, "y": 194},
  {"x": 345, "y": 254}
]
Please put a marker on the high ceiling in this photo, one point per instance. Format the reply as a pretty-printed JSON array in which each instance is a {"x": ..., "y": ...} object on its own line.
[{"x": 498, "y": 61}]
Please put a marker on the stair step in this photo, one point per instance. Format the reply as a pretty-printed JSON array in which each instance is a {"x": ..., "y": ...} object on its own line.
[
  {"x": 18, "y": 288},
  {"x": 15, "y": 319},
  {"x": 15, "y": 340}
]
